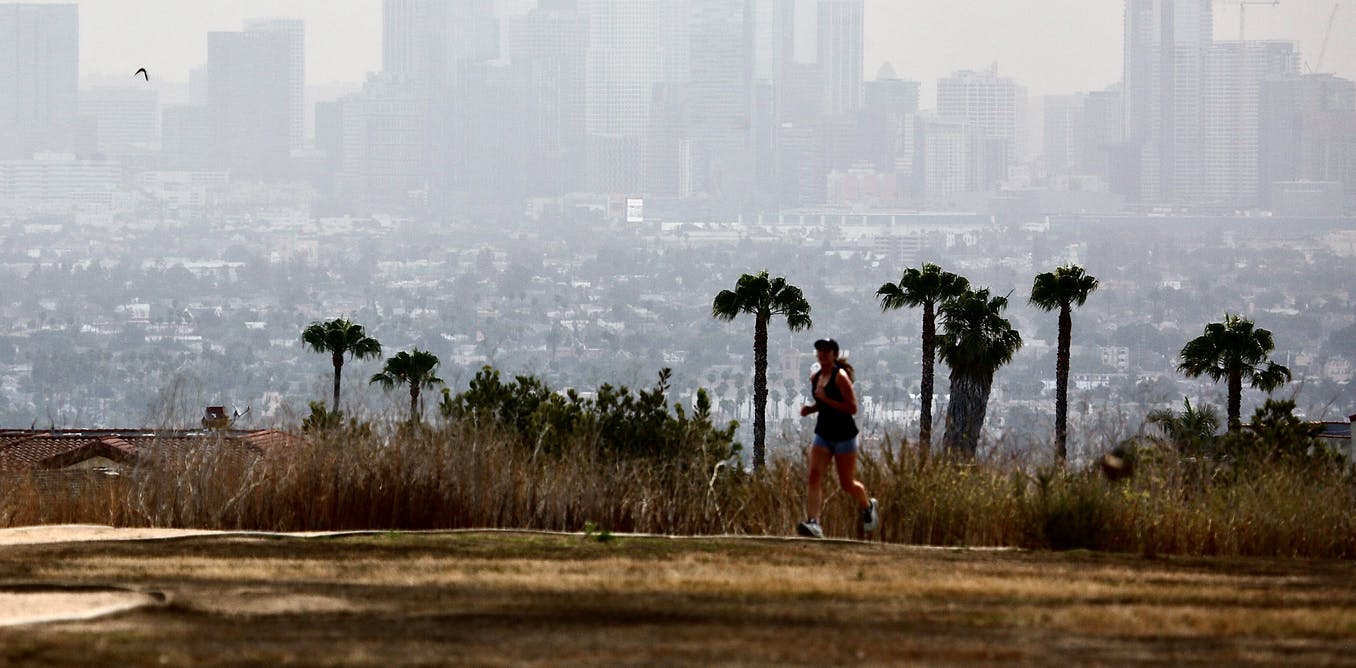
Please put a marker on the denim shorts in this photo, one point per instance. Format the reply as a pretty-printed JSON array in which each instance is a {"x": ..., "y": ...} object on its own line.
[{"x": 837, "y": 447}]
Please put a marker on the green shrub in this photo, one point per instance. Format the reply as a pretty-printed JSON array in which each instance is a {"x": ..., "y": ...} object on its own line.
[{"x": 616, "y": 421}]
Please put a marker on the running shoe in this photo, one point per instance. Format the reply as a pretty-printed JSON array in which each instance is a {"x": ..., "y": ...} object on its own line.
[
  {"x": 810, "y": 529},
  {"x": 870, "y": 518}
]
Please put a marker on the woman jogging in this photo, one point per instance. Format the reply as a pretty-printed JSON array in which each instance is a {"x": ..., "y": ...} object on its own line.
[{"x": 835, "y": 439}]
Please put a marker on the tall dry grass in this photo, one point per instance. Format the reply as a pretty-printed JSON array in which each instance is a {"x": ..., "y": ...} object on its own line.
[{"x": 455, "y": 476}]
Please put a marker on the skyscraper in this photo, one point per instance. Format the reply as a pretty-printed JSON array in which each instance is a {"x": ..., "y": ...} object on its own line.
[
  {"x": 721, "y": 97},
  {"x": 125, "y": 118},
  {"x": 946, "y": 149},
  {"x": 552, "y": 41},
  {"x": 249, "y": 89},
  {"x": 1167, "y": 44},
  {"x": 413, "y": 40},
  {"x": 886, "y": 122},
  {"x": 1103, "y": 131},
  {"x": 295, "y": 33},
  {"x": 378, "y": 143},
  {"x": 774, "y": 50},
  {"x": 840, "y": 53},
  {"x": 430, "y": 44},
  {"x": 991, "y": 106},
  {"x": 1063, "y": 137},
  {"x": 633, "y": 45},
  {"x": 39, "y": 72},
  {"x": 185, "y": 138},
  {"x": 1307, "y": 132},
  {"x": 1230, "y": 151}
]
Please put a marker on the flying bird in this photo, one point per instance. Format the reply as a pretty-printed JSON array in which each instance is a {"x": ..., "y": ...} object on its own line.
[{"x": 142, "y": 72}]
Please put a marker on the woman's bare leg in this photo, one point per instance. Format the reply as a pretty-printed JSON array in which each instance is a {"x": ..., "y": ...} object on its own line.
[
  {"x": 814, "y": 484},
  {"x": 847, "y": 471}
]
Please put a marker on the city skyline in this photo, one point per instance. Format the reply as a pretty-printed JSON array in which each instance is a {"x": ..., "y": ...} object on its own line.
[{"x": 169, "y": 39}]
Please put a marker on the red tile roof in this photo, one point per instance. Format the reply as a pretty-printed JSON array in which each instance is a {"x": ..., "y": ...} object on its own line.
[{"x": 26, "y": 449}]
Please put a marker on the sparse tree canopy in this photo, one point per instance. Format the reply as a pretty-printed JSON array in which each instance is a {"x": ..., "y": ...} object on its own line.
[
  {"x": 1061, "y": 290},
  {"x": 339, "y": 337},
  {"x": 1234, "y": 350},
  {"x": 415, "y": 369},
  {"x": 764, "y": 298},
  {"x": 926, "y": 287},
  {"x": 1192, "y": 431},
  {"x": 976, "y": 341}
]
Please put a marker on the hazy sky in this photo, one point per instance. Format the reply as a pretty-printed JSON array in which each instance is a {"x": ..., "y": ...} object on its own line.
[{"x": 1050, "y": 46}]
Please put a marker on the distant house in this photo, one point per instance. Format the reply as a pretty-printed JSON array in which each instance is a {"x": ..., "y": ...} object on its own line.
[
  {"x": 1338, "y": 436},
  {"x": 115, "y": 450}
]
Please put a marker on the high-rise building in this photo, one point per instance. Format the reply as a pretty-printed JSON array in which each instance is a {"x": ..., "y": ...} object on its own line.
[
  {"x": 1062, "y": 118},
  {"x": 889, "y": 106},
  {"x": 774, "y": 38},
  {"x": 774, "y": 51},
  {"x": 633, "y": 45},
  {"x": 125, "y": 118},
  {"x": 840, "y": 53},
  {"x": 946, "y": 150},
  {"x": 185, "y": 138},
  {"x": 1229, "y": 160},
  {"x": 1167, "y": 45},
  {"x": 379, "y": 141},
  {"x": 551, "y": 42},
  {"x": 500, "y": 140},
  {"x": 670, "y": 166},
  {"x": 1307, "y": 132},
  {"x": 39, "y": 73},
  {"x": 432, "y": 44},
  {"x": 990, "y": 105},
  {"x": 414, "y": 40},
  {"x": 249, "y": 91},
  {"x": 1103, "y": 132},
  {"x": 720, "y": 85},
  {"x": 295, "y": 33}
]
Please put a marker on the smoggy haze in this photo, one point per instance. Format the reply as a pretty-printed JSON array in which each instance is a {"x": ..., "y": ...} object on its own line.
[{"x": 1049, "y": 46}]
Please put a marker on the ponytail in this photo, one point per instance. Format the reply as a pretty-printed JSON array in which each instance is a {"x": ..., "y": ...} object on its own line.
[{"x": 852, "y": 374}]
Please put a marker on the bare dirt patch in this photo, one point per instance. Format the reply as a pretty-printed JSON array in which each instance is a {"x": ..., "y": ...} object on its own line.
[{"x": 513, "y": 599}]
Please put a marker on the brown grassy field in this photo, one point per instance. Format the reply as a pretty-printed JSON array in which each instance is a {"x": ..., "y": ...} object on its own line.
[{"x": 505, "y": 598}]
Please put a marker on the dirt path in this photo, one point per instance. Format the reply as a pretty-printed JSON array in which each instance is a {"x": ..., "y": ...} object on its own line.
[{"x": 197, "y": 598}]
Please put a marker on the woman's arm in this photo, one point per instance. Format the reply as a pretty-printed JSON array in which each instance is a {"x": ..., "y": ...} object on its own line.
[
  {"x": 849, "y": 393},
  {"x": 814, "y": 392}
]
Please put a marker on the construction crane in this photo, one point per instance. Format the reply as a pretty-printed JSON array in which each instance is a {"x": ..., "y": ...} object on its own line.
[
  {"x": 1322, "y": 50},
  {"x": 1243, "y": 14}
]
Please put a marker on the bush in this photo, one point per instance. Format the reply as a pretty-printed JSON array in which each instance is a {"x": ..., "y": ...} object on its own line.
[
  {"x": 1275, "y": 434},
  {"x": 616, "y": 422}
]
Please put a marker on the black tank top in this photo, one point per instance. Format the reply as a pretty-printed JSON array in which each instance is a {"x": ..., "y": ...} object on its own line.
[{"x": 833, "y": 425}]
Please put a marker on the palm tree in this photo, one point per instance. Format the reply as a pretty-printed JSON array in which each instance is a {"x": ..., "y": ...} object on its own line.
[
  {"x": 1234, "y": 350},
  {"x": 927, "y": 287},
  {"x": 1062, "y": 289},
  {"x": 338, "y": 337},
  {"x": 1192, "y": 431},
  {"x": 763, "y": 297},
  {"x": 977, "y": 341},
  {"x": 415, "y": 369}
]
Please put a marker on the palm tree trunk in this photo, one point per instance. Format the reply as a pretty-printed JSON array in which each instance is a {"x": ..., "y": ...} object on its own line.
[
  {"x": 965, "y": 413},
  {"x": 338, "y": 360},
  {"x": 1062, "y": 386},
  {"x": 1235, "y": 400},
  {"x": 929, "y": 368},
  {"x": 759, "y": 392},
  {"x": 414, "y": 402}
]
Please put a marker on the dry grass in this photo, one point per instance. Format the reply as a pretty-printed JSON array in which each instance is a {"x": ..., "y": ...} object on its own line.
[
  {"x": 458, "y": 477},
  {"x": 501, "y": 599}
]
